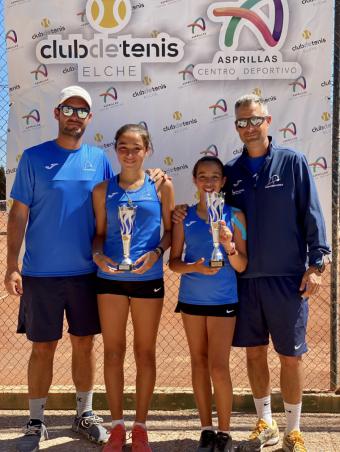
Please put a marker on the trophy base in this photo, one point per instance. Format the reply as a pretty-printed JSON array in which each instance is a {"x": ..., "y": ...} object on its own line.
[
  {"x": 125, "y": 267},
  {"x": 216, "y": 264}
]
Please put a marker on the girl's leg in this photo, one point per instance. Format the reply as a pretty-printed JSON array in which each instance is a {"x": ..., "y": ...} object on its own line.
[
  {"x": 220, "y": 335},
  {"x": 113, "y": 314},
  {"x": 196, "y": 331},
  {"x": 145, "y": 314}
]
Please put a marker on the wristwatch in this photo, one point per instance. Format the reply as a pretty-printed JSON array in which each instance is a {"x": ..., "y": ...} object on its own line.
[
  {"x": 159, "y": 251},
  {"x": 320, "y": 265}
]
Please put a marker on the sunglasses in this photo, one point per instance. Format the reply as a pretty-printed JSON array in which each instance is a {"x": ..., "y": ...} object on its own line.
[
  {"x": 254, "y": 121},
  {"x": 68, "y": 111}
]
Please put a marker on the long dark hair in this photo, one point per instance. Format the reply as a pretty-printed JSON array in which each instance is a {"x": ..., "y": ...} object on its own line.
[{"x": 208, "y": 159}]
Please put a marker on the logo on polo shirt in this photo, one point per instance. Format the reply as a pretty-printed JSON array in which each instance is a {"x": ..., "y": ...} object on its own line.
[{"x": 274, "y": 181}]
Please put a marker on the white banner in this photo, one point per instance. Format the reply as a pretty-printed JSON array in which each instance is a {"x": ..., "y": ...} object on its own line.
[{"x": 177, "y": 66}]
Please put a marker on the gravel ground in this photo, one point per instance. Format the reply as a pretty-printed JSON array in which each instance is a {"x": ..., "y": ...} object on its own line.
[{"x": 169, "y": 431}]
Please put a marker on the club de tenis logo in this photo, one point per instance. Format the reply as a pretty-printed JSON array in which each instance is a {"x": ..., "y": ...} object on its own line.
[
  {"x": 251, "y": 36},
  {"x": 108, "y": 56}
]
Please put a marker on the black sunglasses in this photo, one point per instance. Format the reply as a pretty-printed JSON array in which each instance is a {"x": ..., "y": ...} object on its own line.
[
  {"x": 255, "y": 121},
  {"x": 68, "y": 111}
]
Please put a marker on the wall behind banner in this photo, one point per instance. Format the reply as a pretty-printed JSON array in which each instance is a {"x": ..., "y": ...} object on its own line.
[{"x": 187, "y": 118}]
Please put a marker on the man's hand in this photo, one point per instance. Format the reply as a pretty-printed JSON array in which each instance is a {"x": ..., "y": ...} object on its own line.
[
  {"x": 179, "y": 214},
  {"x": 311, "y": 281},
  {"x": 13, "y": 282},
  {"x": 157, "y": 174}
]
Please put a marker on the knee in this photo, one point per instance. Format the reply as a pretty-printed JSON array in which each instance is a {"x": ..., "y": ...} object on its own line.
[
  {"x": 145, "y": 358},
  {"x": 290, "y": 362},
  {"x": 82, "y": 344},
  {"x": 199, "y": 362},
  {"x": 114, "y": 356},
  {"x": 44, "y": 350},
  {"x": 219, "y": 372},
  {"x": 256, "y": 355}
]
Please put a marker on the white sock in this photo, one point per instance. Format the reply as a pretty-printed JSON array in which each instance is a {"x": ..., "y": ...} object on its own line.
[
  {"x": 226, "y": 432},
  {"x": 208, "y": 427},
  {"x": 117, "y": 422},
  {"x": 37, "y": 407},
  {"x": 84, "y": 402},
  {"x": 140, "y": 424},
  {"x": 264, "y": 409},
  {"x": 293, "y": 414}
]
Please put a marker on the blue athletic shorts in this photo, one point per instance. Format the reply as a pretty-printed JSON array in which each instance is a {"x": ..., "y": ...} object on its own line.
[
  {"x": 272, "y": 306},
  {"x": 45, "y": 299}
]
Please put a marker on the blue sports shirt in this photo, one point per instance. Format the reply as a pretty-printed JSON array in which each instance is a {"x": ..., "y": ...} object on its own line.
[
  {"x": 56, "y": 184},
  {"x": 196, "y": 288},
  {"x": 146, "y": 230},
  {"x": 284, "y": 218}
]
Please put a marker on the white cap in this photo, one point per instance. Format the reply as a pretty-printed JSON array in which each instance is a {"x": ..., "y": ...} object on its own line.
[{"x": 74, "y": 91}]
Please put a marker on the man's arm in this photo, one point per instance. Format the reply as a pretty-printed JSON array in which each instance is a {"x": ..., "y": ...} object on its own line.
[
  {"x": 16, "y": 226},
  {"x": 310, "y": 214}
]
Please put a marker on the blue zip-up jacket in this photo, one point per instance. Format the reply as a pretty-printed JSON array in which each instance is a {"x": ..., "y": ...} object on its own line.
[{"x": 283, "y": 213}]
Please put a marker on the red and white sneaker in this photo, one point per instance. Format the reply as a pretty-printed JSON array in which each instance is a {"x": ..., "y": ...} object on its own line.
[
  {"x": 140, "y": 441},
  {"x": 116, "y": 440}
]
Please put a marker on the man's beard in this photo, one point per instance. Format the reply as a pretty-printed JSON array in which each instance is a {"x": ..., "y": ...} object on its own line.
[{"x": 73, "y": 131}]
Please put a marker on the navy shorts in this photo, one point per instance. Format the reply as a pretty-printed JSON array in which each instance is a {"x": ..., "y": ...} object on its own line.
[
  {"x": 45, "y": 299},
  {"x": 217, "y": 310},
  {"x": 153, "y": 288},
  {"x": 272, "y": 306}
]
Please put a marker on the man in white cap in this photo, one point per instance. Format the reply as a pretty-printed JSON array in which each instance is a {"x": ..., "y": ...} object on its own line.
[{"x": 52, "y": 197}]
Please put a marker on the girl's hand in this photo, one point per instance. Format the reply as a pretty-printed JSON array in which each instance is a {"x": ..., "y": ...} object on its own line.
[
  {"x": 199, "y": 267},
  {"x": 147, "y": 261},
  {"x": 105, "y": 263},
  {"x": 226, "y": 236}
]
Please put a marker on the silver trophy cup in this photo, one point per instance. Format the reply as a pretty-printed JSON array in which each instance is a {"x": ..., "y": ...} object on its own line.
[
  {"x": 215, "y": 204},
  {"x": 126, "y": 215}
]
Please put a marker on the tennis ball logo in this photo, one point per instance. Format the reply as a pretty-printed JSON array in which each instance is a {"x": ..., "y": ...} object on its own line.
[
  {"x": 177, "y": 115},
  {"x": 154, "y": 33},
  {"x": 168, "y": 161},
  {"x": 325, "y": 116},
  {"x": 98, "y": 138},
  {"x": 257, "y": 92},
  {"x": 108, "y": 16},
  {"x": 306, "y": 34},
  {"x": 45, "y": 23},
  {"x": 147, "y": 80}
]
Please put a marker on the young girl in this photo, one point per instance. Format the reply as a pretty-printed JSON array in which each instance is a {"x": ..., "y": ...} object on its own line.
[
  {"x": 208, "y": 300},
  {"x": 140, "y": 291}
]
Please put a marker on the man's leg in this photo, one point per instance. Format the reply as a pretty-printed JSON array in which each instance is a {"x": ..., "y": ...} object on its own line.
[
  {"x": 83, "y": 371},
  {"x": 40, "y": 372},
  {"x": 291, "y": 380},
  {"x": 83, "y": 320}
]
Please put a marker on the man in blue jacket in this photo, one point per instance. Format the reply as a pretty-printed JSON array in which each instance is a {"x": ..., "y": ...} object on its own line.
[
  {"x": 52, "y": 197},
  {"x": 286, "y": 243}
]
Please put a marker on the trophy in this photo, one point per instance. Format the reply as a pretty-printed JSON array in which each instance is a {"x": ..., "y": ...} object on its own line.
[
  {"x": 215, "y": 204},
  {"x": 126, "y": 216}
]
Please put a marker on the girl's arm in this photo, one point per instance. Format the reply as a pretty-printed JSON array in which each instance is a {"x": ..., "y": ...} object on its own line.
[
  {"x": 176, "y": 264},
  {"x": 167, "y": 197},
  {"x": 98, "y": 200},
  {"x": 235, "y": 245}
]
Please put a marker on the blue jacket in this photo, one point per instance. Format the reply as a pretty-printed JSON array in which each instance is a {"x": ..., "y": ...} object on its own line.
[{"x": 283, "y": 213}]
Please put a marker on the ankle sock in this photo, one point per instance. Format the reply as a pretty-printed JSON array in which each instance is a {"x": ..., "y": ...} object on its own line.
[
  {"x": 293, "y": 414},
  {"x": 264, "y": 409},
  {"x": 37, "y": 407},
  {"x": 84, "y": 402}
]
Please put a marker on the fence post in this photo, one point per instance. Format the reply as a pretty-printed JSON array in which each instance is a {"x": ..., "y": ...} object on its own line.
[{"x": 335, "y": 268}]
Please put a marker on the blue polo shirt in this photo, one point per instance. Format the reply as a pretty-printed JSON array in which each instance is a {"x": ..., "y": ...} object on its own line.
[{"x": 56, "y": 184}]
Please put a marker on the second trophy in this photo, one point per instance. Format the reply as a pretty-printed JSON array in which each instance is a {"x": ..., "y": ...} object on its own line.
[{"x": 126, "y": 216}]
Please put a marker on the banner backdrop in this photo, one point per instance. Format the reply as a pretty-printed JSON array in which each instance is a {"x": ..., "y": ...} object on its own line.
[{"x": 176, "y": 66}]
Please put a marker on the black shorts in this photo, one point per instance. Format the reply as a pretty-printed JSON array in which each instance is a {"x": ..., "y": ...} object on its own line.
[
  {"x": 221, "y": 310},
  {"x": 45, "y": 299},
  {"x": 133, "y": 289}
]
